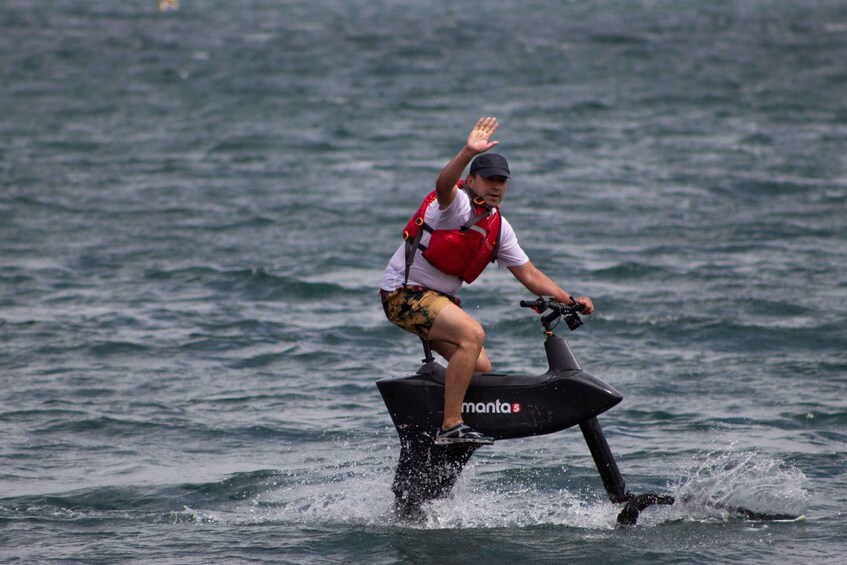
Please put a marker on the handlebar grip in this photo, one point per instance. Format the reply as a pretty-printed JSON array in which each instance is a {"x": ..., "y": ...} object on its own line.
[{"x": 539, "y": 304}]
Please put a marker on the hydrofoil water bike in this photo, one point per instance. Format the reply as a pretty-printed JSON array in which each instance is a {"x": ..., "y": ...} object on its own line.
[{"x": 507, "y": 406}]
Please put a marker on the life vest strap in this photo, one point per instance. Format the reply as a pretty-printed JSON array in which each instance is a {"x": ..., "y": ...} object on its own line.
[
  {"x": 412, "y": 245},
  {"x": 472, "y": 223}
]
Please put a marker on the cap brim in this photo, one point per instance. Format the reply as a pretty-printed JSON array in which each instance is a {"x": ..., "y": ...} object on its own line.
[{"x": 492, "y": 172}]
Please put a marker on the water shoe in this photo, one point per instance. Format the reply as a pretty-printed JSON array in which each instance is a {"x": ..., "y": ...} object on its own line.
[{"x": 461, "y": 433}]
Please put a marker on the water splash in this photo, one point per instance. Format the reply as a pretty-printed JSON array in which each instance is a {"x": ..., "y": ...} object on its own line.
[
  {"x": 363, "y": 496},
  {"x": 707, "y": 486},
  {"x": 719, "y": 481}
]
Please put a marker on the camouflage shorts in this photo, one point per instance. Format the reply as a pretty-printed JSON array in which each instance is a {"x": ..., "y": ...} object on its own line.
[{"x": 414, "y": 308}]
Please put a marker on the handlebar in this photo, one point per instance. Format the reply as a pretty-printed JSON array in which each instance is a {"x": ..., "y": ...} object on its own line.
[
  {"x": 541, "y": 304},
  {"x": 558, "y": 310}
]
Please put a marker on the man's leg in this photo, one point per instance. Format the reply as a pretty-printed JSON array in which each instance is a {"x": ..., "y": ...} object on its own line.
[
  {"x": 483, "y": 365},
  {"x": 461, "y": 337}
]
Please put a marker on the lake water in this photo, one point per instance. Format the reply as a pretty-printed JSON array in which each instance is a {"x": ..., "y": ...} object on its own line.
[{"x": 196, "y": 208}]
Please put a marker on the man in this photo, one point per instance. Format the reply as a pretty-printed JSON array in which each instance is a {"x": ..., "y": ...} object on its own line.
[{"x": 456, "y": 232}]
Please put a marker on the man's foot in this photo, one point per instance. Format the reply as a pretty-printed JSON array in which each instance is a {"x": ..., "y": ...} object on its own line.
[{"x": 461, "y": 433}]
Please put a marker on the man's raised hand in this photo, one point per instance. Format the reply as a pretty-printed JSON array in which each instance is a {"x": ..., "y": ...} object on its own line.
[{"x": 479, "y": 138}]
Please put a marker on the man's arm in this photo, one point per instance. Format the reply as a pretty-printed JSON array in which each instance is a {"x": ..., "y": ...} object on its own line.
[
  {"x": 540, "y": 284},
  {"x": 478, "y": 142}
]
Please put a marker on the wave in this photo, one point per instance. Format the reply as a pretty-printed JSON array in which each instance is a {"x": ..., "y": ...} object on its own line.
[
  {"x": 633, "y": 270},
  {"x": 253, "y": 284},
  {"x": 106, "y": 425},
  {"x": 109, "y": 348}
]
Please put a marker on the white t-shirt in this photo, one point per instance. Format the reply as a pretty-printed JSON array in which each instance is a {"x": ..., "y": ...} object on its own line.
[{"x": 422, "y": 273}]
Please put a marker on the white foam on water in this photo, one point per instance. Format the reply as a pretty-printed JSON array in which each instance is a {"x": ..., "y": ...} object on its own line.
[
  {"x": 706, "y": 486},
  {"x": 475, "y": 505},
  {"x": 362, "y": 495}
]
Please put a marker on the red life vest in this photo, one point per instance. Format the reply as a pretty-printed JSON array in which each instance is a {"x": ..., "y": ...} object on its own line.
[{"x": 463, "y": 252}]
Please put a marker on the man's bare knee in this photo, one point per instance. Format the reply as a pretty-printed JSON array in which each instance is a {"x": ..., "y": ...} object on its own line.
[
  {"x": 473, "y": 337},
  {"x": 452, "y": 325}
]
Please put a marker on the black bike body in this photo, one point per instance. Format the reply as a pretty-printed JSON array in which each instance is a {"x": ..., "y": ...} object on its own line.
[{"x": 504, "y": 406}]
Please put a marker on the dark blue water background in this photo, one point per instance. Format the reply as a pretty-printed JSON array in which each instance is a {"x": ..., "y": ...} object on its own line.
[{"x": 196, "y": 208}]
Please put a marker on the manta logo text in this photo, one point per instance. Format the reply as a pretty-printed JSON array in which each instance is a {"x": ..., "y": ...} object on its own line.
[{"x": 495, "y": 407}]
